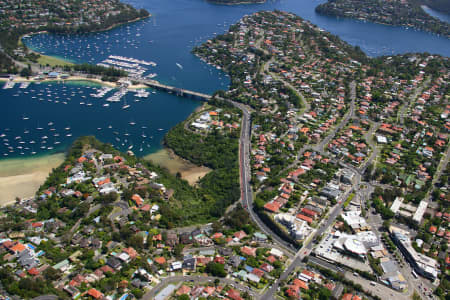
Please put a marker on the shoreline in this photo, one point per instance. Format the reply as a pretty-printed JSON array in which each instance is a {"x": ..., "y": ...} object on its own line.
[
  {"x": 167, "y": 158},
  {"x": 93, "y": 31},
  {"x": 237, "y": 3},
  {"x": 20, "y": 79},
  {"x": 22, "y": 177}
]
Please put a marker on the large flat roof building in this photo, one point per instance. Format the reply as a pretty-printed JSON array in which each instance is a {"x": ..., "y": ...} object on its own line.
[
  {"x": 422, "y": 264},
  {"x": 420, "y": 211}
]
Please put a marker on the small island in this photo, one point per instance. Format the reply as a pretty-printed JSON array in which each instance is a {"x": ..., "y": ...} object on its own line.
[{"x": 405, "y": 13}]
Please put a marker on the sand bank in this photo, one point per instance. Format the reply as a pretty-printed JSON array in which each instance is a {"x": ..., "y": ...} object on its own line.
[
  {"x": 22, "y": 177},
  {"x": 190, "y": 172}
]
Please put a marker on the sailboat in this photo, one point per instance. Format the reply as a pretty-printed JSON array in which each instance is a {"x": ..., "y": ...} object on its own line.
[{"x": 126, "y": 105}]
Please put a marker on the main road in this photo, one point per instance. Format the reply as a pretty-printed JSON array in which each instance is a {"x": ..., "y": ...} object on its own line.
[{"x": 245, "y": 175}]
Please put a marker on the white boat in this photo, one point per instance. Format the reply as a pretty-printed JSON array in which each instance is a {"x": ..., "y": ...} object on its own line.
[
  {"x": 179, "y": 66},
  {"x": 9, "y": 85},
  {"x": 126, "y": 105},
  {"x": 24, "y": 85}
]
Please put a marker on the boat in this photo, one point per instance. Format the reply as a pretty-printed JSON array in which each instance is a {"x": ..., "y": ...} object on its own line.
[
  {"x": 9, "y": 85},
  {"x": 126, "y": 105},
  {"x": 132, "y": 123},
  {"x": 179, "y": 66},
  {"x": 106, "y": 105},
  {"x": 141, "y": 93}
]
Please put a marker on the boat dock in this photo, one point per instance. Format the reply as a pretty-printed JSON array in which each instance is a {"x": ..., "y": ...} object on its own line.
[{"x": 174, "y": 90}]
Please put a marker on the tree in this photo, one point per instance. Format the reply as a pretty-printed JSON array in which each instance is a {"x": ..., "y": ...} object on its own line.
[
  {"x": 183, "y": 297},
  {"x": 216, "y": 269},
  {"x": 51, "y": 274},
  {"x": 137, "y": 293},
  {"x": 178, "y": 250}
]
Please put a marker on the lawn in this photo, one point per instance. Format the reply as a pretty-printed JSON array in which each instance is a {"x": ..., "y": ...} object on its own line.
[{"x": 53, "y": 61}]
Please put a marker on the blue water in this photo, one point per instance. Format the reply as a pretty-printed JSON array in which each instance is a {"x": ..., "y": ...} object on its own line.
[
  {"x": 440, "y": 15},
  {"x": 167, "y": 38},
  {"x": 47, "y": 117}
]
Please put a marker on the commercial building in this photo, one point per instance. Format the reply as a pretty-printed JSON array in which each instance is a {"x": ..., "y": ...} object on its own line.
[
  {"x": 298, "y": 229},
  {"x": 351, "y": 245},
  {"x": 422, "y": 264},
  {"x": 355, "y": 221},
  {"x": 347, "y": 176},
  {"x": 420, "y": 211}
]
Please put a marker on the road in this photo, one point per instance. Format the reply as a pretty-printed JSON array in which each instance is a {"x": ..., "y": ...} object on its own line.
[
  {"x": 307, "y": 247},
  {"x": 350, "y": 113},
  {"x": 245, "y": 175},
  {"x": 197, "y": 279},
  {"x": 402, "y": 111}
]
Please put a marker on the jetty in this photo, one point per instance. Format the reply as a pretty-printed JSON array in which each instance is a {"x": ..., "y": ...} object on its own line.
[{"x": 174, "y": 90}]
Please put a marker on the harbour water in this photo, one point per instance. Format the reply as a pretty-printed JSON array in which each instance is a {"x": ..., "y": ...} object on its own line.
[
  {"x": 166, "y": 38},
  {"x": 47, "y": 117},
  {"x": 440, "y": 15}
]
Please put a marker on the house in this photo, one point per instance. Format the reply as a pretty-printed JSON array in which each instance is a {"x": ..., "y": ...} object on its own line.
[
  {"x": 114, "y": 263},
  {"x": 95, "y": 293},
  {"x": 249, "y": 251},
  {"x": 171, "y": 239},
  {"x": 131, "y": 252},
  {"x": 240, "y": 235},
  {"x": 137, "y": 199},
  {"x": 234, "y": 295},
  {"x": 189, "y": 264},
  {"x": 160, "y": 260},
  {"x": 183, "y": 290}
]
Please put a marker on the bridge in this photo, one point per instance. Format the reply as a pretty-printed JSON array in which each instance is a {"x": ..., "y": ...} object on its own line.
[{"x": 174, "y": 90}]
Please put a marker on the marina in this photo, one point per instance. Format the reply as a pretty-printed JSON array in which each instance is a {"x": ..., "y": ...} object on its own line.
[
  {"x": 146, "y": 48},
  {"x": 48, "y": 126}
]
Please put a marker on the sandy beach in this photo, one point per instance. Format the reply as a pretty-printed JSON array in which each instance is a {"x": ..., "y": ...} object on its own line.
[
  {"x": 22, "y": 177},
  {"x": 75, "y": 78},
  {"x": 190, "y": 172}
]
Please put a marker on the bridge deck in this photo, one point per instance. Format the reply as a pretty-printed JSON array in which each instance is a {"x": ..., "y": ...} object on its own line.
[{"x": 181, "y": 92}]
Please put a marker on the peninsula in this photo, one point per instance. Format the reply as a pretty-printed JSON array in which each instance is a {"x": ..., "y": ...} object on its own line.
[
  {"x": 67, "y": 16},
  {"x": 397, "y": 13},
  {"x": 329, "y": 180}
]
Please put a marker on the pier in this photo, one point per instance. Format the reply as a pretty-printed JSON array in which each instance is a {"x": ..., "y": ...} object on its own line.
[{"x": 174, "y": 90}]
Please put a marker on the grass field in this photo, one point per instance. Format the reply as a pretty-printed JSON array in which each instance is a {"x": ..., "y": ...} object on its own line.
[{"x": 53, "y": 61}]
